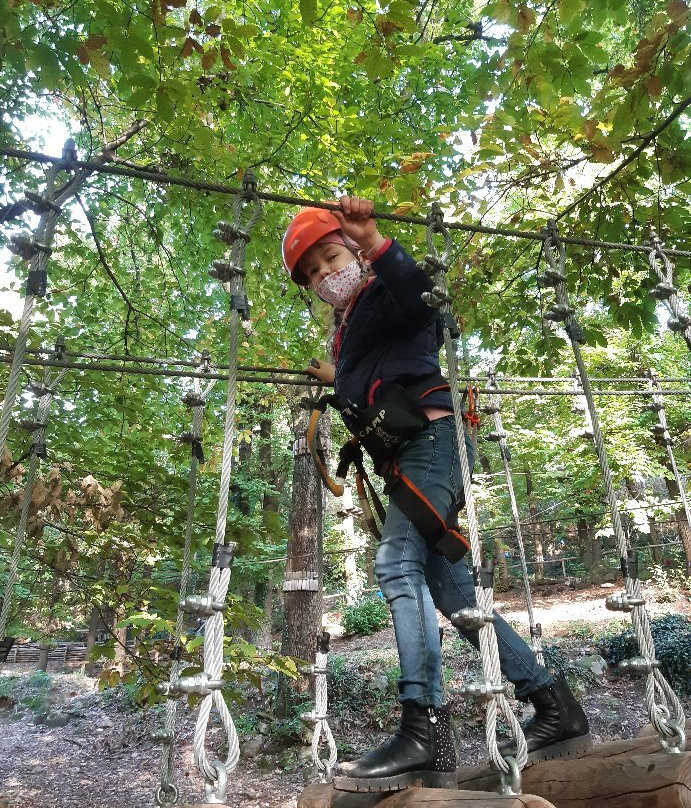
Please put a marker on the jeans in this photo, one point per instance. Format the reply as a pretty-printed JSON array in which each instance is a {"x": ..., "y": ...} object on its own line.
[{"x": 414, "y": 579}]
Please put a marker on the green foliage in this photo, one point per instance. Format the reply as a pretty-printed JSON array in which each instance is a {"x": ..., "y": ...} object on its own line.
[
  {"x": 669, "y": 584},
  {"x": 36, "y": 691},
  {"x": 366, "y": 616},
  {"x": 368, "y": 688},
  {"x": 672, "y": 637}
]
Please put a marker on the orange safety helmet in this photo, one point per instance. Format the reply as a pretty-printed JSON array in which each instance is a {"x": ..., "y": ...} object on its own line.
[{"x": 310, "y": 225}]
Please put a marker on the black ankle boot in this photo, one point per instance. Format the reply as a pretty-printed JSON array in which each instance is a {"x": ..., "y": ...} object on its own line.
[
  {"x": 558, "y": 729},
  {"x": 421, "y": 753}
]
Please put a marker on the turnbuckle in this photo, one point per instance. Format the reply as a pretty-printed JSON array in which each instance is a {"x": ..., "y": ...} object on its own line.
[
  {"x": 623, "y": 602},
  {"x": 637, "y": 666},
  {"x": 482, "y": 689},
  {"x": 200, "y": 684},
  {"x": 471, "y": 618},
  {"x": 202, "y": 605}
]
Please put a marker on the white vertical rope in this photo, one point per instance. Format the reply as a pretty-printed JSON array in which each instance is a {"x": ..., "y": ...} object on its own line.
[
  {"x": 320, "y": 715},
  {"x": 667, "y": 717},
  {"x": 681, "y": 320},
  {"x": 167, "y": 793},
  {"x": 535, "y": 634},
  {"x": 216, "y": 772},
  {"x": 492, "y": 689}
]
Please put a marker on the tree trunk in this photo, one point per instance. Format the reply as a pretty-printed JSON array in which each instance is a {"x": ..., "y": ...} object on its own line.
[
  {"x": 591, "y": 546},
  {"x": 535, "y": 527},
  {"x": 303, "y": 604},
  {"x": 353, "y": 582}
]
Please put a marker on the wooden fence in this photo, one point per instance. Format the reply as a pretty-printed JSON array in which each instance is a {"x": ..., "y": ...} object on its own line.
[{"x": 28, "y": 653}]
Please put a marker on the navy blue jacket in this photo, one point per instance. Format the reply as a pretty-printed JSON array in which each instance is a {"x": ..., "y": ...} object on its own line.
[{"x": 391, "y": 335}]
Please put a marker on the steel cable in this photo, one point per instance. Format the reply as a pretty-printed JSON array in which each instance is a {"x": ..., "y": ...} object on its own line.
[
  {"x": 668, "y": 717},
  {"x": 489, "y": 652}
]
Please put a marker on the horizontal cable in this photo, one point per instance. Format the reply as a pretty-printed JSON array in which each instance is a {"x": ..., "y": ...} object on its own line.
[
  {"x": 141, "y": 172},
  {"x": 309, "y": 382}
]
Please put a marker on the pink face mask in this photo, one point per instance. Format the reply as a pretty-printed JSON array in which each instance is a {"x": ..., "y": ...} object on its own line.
[{"x": 338, "y": 288}]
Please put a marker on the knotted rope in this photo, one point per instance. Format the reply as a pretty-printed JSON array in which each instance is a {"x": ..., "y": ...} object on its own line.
[{"x": 667, "y": 715}]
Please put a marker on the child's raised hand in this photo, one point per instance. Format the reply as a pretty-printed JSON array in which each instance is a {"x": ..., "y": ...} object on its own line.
[
  {"x": 357, "y": 223},
  {"x": 324, "y": 371}
]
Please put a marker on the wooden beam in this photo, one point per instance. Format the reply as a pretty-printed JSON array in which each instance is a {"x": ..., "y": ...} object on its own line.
[
  {"x": 617, "y": 778},
  {"x": 325, "y": 796}
]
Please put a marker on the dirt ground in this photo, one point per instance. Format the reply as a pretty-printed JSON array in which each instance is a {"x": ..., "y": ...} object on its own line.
[{"x": 103, "y": 757}]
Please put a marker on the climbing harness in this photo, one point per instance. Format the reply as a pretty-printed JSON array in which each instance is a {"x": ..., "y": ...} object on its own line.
[
  {"x": 481, "y": 617},
  {"x": 45, "y": 394},
  {"x": 167, "y": 793},
  {"x": 208, "y": 683},
  {"x": 680, "y": 321},
  {"x": 499, "y": 436},
  {"x": 380, "y": 430},
  {"x": 319, "y": 716},
  {"x": 666, "y": 715}
]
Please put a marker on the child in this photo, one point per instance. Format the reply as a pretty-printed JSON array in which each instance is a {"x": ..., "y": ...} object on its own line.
[{"x": 388, "y": 336}]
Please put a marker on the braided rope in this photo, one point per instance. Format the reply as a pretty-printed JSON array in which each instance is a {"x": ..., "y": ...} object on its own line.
[
  {"x": 667, "y": 717},
  {"x": 38, "y": 436},
  {"x": 672, "y": 302},
  {"x": 535, "y": 635},
  {"x": 321, "y": 726},
  {"x": 167, "y": 794},
  {"x": 489, "y": 652},
  {"x": 215, "y": 772}
]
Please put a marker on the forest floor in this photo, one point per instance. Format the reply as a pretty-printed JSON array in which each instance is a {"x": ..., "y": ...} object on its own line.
[{"x": 64, "y": 744}]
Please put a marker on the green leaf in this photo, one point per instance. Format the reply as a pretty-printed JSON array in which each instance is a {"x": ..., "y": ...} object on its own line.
[{"x": 308, "y": 11}]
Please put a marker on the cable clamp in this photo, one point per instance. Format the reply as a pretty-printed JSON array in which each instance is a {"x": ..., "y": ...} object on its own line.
[
  {"x": 450, "y": 324},
  {"x": 224, "y": 271},
  {"x": 558, "y": 313},
  {"x": 69, "y": 152},
  {"x": 41, "y": 204},
  {"x": 229, "y": 233},
  {"x": 27, "y": 247},
  {"x": 31, "y": 426},
  {"x": 202, "y": 605},
  {"x": 39, "y": 390},
  {"x": 163, "y": 737},
  {"x": 193, "y": 400},
  {"x": 623, "y": 602},
  {"x": 241, "y": 304},
  {"x": 638, "y": 666},
  {"x": 483, "y": 576},
  {"x": 482, "y": 689},
  {"x": 436, "y": 297},
  {"x": 551, "y": 277},
  {"x": 249, "y": 184},
  {"x": 431, "y": 265},
  {"x": 39, "y": 449},
  {"x": 222, "y": 555},
  {"x": 205, "y": 361},
  {"x": 177, "y": 653},
  {"x": 574, "y": 330},
  {"x": 663, "y": 291},
  {"x": 489, "y": 409},
  {"x": 60, "y": 348},
  {"x": 629, "y": 564},
  {"x": 536, "y": 630},
  {"x": 495, "y": 437},
  {"x": 195, "y": 442},
  {"x": 471, "y": 618},
  {"x": 200, "y": 684},
  {"x": 655, "y": 406},
  {"x": 586, "y": 433},
  {"x": 679, "y": 323}
]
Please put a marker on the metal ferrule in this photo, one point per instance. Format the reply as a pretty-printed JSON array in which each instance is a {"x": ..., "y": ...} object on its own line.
[
  {"x": 471, "y": 618},
  {"x": 623, "y": 602},
  {"x": 482, "y": 689},
  {"x": 638, "y": 666},
  {"x": 202, "y": 605}
]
